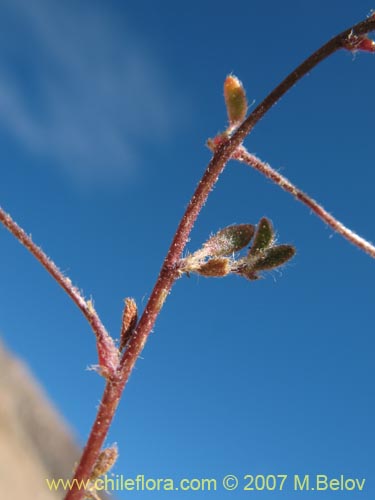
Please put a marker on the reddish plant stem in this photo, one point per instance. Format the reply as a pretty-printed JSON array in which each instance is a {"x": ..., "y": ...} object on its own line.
[
  {"x": 338, "y": 42},
  {"x": 169, "y": 271},
  {"x": 242, "y": 155},
  {"x": 168, "y": 275},
  {"x": 104, "y": 341}
]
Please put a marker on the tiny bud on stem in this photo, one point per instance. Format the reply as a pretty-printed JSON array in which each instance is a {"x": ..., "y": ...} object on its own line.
[
  {"x": 229, "y": 240},
  {"x": 105, "y": 462},
  {"x": 235, "y": 100},
  {"x": 361, "y": 42},
  {"x": 129, "y": 321},
  {"x": 264, "y": 236}
]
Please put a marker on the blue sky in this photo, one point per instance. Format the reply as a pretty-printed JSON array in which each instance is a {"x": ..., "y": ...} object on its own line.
[{"x": 105, "y": 108}]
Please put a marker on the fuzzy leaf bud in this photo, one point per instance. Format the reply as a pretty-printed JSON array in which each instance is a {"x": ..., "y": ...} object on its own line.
[
  {"x": 229, "y": 240},
  {"x": 274, "y": 257},
  {"x": 264, "y": 236},
  {"x": 235, "y": 100}
]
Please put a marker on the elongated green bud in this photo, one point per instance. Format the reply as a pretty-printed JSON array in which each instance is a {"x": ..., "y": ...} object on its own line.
[
  {"x": 274, "y": 257},
  {"x": 229, "y": 240},
  {"x": 235, "y": 100},
  {"x": 264, "y": 236},
  {"x": 216, "y": 268}
]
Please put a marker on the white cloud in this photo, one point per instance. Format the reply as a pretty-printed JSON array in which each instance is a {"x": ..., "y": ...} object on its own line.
[{"x": 79, "y": 88}]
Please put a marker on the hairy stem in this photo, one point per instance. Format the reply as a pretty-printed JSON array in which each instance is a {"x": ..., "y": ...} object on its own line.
[
  {"x": 104, "y": 341},
  {"x": 169, "y": 271},
  {"x": 244, "y": 156}
]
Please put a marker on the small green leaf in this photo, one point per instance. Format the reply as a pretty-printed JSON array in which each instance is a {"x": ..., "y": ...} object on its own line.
[
  {"x": 274, "y": 257},
  {"x": 264, "y": 236},
  {"x": 229, "y": 240}
]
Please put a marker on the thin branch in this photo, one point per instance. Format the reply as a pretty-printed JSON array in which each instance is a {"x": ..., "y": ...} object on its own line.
[
  {"x": 242, "y": 155},
  {"x": 169, "y": 271},
  {"x": 104, "y": 342},
  {"x": 341, "y": 40}
]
